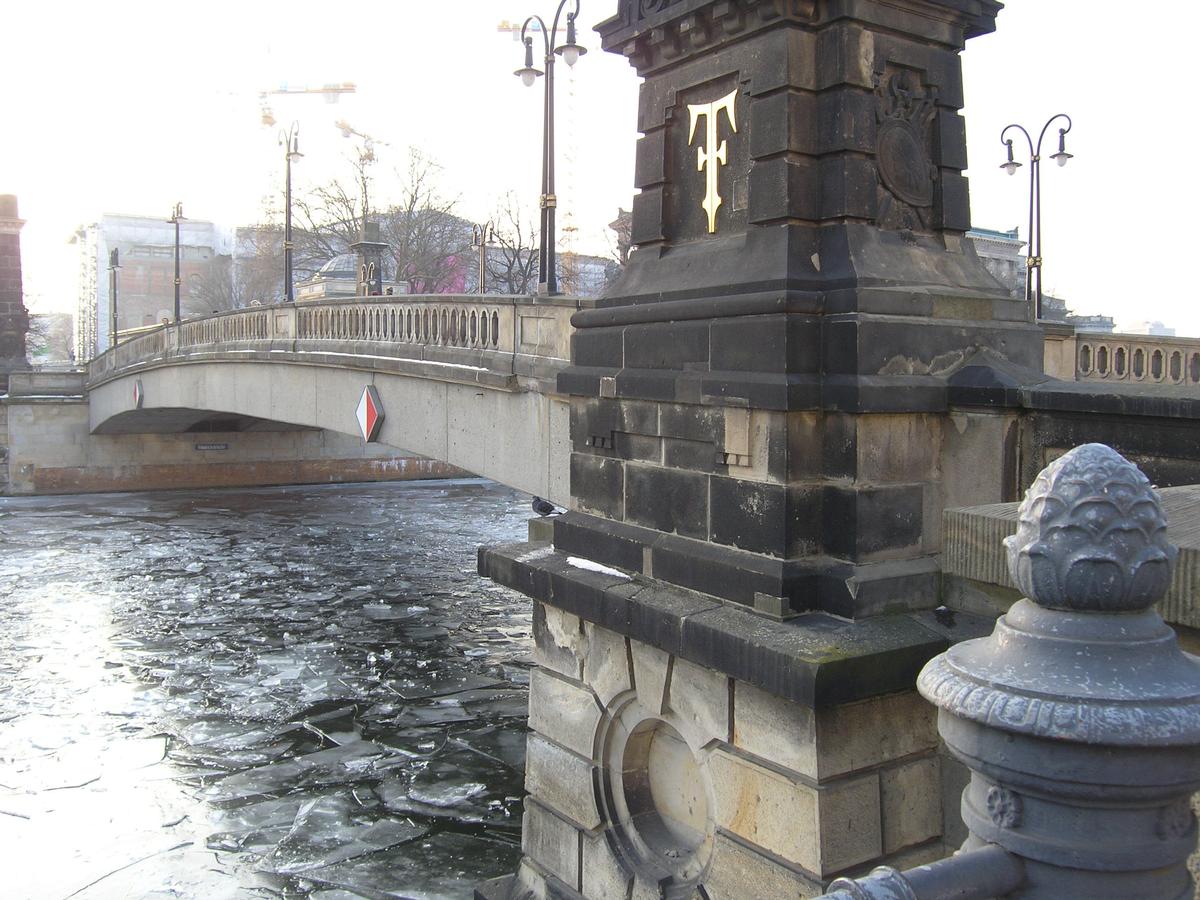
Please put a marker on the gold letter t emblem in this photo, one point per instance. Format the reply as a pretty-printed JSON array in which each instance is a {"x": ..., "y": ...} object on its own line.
[{"x": 712, "y": 156}]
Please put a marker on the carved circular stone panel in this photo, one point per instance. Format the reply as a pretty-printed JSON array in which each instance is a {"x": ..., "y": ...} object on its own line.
[
  {"x": 903, "y": 164},
  {"x": 657, "y": 797}
]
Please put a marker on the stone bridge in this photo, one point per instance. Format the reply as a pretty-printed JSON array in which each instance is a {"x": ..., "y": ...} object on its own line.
[{"x": 467, "y": 380}]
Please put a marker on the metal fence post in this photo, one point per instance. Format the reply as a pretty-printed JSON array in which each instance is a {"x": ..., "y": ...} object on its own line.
[{"x": 1079, "y": 717}]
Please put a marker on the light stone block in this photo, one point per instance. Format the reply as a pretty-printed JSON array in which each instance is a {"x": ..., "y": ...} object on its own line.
[
  {"x": 651, "y": 675},
  {"x": 603, "y": 876},
  {"x": 606, "y": 664},
  {"x": 552, "y": 843},
  {"x": 558, "y": 640},
  {"x": 774, "y": 729},
  {"x": 565, "y": 712},
  {"x": 562, "y": 781},
  {"x": 910, "y": 800},
  {"x": 873, "y": 732},
  {"x": 738, "y": 872},
  {"x": 822, "y": 829},
  {"x": 699, "y": 697}
]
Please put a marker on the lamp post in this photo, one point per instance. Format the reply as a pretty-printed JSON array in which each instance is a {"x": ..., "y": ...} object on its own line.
[
  {"x": 114, "y": 263},
  {"x": 570, "y": 52},
  {"x": 176, "y": 218},
  {"x": 481, "y": 234},
  {"x": 1033, "y": 259},
  {"x": 291, "y": 144}
]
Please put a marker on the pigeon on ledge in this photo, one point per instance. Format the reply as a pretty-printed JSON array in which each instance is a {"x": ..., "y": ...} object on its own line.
[{"x": 544, "y": 507}]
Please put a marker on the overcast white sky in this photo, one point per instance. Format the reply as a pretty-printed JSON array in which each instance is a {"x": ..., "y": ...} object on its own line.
[{"x": 131, "y": 106}]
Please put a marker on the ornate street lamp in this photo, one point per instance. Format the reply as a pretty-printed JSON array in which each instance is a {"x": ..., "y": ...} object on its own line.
[
  {"x": 1033, "y": 259},
  {"x": 570, "y": 52},
  {"x": 176, "y": 218},
  {"x": 291, "y": 144}
]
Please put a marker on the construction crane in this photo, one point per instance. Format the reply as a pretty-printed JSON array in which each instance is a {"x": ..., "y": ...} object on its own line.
[{"x": 331, "y": 93}]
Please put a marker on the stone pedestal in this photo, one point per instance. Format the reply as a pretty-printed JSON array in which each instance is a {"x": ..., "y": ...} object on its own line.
[
  {"x": 370, "y": 250},
  {"x": 14, "y": 319},
  {"x": 762, "y": 446}
]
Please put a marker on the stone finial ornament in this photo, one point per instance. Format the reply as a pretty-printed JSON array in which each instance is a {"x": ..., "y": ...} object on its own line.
[{"x": 1092, "y": 536}]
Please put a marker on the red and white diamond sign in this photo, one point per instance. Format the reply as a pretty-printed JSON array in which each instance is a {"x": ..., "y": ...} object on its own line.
[
  {"x": 369, "y": 413},
  {"x": 139, "y": 395}
]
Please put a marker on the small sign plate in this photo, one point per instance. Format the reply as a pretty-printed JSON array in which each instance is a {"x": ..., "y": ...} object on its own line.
[{"x": 369, "y": 413}]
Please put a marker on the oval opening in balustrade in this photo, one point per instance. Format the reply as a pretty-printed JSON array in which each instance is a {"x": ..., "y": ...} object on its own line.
[
  {"x": 454, "y": 327},
  {"x": 435, "y": 325},
  {"x": 1156, "y": 365},
  {"x": 483, "y": 328},
  {"x": 445, "y": 322},
  {"x": 1085, "y": 359},
  {"x": 1102, "y": 360},
  {"x": 495, "y": 329},
  {"x": 408, "y": 328},
  {"x": 1119, "y": 361},
  {"x": 1176, "y": 366},
  {"x": 1194, "y": 369},
  {"x": 474, "y": 327},
  {"x": 1139, "y": 363}
]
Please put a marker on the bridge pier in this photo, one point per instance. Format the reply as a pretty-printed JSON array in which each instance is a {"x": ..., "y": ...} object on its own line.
[{"x": 801, "y": 366}]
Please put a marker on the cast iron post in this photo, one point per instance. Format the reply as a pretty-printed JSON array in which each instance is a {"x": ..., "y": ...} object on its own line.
[
  {"x": 176, "y": 218},
  {"x": 570, "y": 52},
  {"x": 1033, "y": 253},
  {"x": 1079, "y": 717},
  {"x": 114, "y": 263},
  {"x": 291, "y": 144}
]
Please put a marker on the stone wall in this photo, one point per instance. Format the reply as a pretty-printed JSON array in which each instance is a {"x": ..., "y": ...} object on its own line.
[
  {"x": 14, "y": 320},
  {"x": 642, "y": 766}
]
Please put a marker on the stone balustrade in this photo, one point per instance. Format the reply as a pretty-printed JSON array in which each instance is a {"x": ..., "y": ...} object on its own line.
[
  {"x": 515, "y": 335},
  {"x": 1138, "y": 359}
]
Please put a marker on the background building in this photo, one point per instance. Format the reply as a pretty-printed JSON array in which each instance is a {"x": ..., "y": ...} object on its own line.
[
  {"x": 146, "y": 289},
  {"x": 1001, "y": 253}
]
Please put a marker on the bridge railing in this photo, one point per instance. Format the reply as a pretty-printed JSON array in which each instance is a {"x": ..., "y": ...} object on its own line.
[
  {"x": 517, "y": 335},
  {"x": 1140, "y": 359}
]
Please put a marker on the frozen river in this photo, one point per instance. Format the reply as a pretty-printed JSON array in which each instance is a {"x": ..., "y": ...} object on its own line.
[{"x": 276, "y": 692}]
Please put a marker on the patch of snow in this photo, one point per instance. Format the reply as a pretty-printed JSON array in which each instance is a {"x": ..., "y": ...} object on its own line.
[{"x": 595, "y": 567}]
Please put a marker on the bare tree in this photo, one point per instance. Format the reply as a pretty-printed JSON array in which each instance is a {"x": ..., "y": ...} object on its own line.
[
  {"x": 512, "y": 261},
  {"x": 429, "y": 243},
  {"x": 328, "y": 219}
]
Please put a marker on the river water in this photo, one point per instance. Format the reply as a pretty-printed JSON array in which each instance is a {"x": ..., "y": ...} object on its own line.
[{"x": 301, "y": 691}]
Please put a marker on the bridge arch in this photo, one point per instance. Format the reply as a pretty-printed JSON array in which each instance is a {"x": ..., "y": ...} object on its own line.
[{"x": 485, "y": 405}]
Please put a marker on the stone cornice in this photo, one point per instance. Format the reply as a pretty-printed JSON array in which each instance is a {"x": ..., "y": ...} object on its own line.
[
  {"x": 11, "y": 226},
  {"x": 651, "y": 33}
]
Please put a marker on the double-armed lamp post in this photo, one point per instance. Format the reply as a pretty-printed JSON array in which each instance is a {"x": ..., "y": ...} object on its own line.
[
  {"x": 290, "y": 141},
  {"x": 1033, "y": 261},
  {"x": 176, "y": 218},
  {"x": 570, "y": 52}
]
